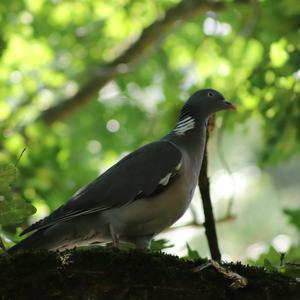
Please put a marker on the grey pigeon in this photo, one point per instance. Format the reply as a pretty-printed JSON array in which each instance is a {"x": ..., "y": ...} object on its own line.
[{"x": 141, "y": 195}]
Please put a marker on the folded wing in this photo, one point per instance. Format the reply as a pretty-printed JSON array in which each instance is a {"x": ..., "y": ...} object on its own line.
[{"x": 143, "y": 173}]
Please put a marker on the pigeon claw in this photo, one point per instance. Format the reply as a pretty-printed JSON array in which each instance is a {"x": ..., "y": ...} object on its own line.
[{"x": 238, "y": 280}]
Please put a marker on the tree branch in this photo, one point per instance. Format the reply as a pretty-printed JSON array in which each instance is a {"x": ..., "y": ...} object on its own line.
[
  {"x": 105, "y": 273},
  {"x": 204, "y": 186},
  {"x": 150, "y": 37}
]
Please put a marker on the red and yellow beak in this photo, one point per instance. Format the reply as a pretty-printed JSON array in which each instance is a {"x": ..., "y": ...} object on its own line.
[{"x": 230, "y": 105}]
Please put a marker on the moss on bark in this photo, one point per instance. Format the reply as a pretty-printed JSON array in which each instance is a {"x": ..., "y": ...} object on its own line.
[{"x": 102, "y": 273}]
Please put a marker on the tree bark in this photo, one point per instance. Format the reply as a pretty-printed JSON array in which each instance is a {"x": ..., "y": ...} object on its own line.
[{"x": 104, "y": 273}]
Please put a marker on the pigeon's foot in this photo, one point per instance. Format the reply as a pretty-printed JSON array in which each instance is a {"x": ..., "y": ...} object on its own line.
[{"x": 238, "y": 280}]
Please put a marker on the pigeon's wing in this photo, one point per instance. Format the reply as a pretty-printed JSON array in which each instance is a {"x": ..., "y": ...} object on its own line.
[{"x": 143, "y": 173}]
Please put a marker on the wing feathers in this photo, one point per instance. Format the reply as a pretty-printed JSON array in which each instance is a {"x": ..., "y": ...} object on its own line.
[{"x": 142, "y": 173}]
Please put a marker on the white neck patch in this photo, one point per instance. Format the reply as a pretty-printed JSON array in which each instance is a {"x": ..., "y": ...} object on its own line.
[{"x": 184, "y": 125}]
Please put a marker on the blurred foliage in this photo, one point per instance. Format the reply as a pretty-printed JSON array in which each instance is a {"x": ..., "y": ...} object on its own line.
[
  {"x": 13, "y": 209},
  {"x": 294, "y": 217},
  {"x": 48, "y": 49},
  {"x": 287, "y": 263}
]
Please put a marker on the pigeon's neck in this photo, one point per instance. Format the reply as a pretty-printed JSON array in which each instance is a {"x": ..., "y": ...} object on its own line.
[
  {"x": 189, "y": 134},
  {"x": 188, "y": 125}
]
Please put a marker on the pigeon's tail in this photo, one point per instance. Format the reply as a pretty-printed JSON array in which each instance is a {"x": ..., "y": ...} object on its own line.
[
  {"x": 62, "y": 235},
  {"x": 47, "y": 239},
  {"x": 34, "y": 241}
]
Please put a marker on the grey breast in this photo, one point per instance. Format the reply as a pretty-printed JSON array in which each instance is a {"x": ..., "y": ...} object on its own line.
[{"x": 152, "y": 215}]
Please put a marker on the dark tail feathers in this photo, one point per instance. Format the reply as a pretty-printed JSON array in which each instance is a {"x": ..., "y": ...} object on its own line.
[{"x": 34, "y": 241}]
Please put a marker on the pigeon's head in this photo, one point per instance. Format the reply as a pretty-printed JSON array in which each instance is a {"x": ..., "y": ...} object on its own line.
[{"x": 204, "y": 103}]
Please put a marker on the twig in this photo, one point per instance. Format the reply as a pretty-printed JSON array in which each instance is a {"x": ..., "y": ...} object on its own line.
[
  {"x": 20, "y": 156},
  {"x": 194, "y": 224},
  {"x": 204, "y": 186}
]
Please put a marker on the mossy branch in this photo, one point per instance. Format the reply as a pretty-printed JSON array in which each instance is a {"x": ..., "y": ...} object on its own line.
[{"x": 104, "y": 273}]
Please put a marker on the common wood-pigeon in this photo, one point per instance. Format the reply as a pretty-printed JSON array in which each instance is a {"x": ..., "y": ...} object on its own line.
[{"x": 141, "y": 195}]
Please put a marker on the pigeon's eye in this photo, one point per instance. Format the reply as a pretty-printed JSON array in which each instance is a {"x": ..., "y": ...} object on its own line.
[{"x": 210, "y": 94}]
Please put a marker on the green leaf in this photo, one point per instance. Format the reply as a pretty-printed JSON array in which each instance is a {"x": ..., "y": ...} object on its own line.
[
  {"x": 291, "y": 269},
  {"x": 8, "y": 174},
  {"x": 158, "y": 245},
  {"x": 268, "y": 265},
  {"x": 294, "y": 216},
  {"x": 14, "y": 210},
  {"x": 192, "y": 254}
]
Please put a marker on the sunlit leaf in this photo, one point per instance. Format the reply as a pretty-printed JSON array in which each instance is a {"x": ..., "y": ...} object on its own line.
[
  {"x": 7, "y": 176},
  {"x": 14, "y": 210},
  {"x": 278, "y": 54}
]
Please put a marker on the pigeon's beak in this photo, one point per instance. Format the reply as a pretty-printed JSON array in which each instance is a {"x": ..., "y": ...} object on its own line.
[{"x": 230, "y": 105}]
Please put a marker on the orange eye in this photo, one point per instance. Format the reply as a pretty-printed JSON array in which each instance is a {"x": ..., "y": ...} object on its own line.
[{"x": 210, "y": 94}]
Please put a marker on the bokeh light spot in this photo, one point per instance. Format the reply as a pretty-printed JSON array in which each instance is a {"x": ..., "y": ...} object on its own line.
[
  {"x": 94, "y": 146},
  {"x": 113, "y": 125}
]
